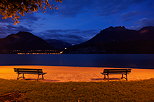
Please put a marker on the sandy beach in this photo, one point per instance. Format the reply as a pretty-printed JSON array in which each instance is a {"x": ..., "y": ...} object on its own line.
[{"x": 74, "y": 74}]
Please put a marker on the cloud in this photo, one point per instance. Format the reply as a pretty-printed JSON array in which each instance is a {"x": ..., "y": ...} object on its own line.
[
  {"x": 7, "y": 27},
  {"x": 143, "y": 22},
  {"x": 73, "y": 36},
  {"x": 73, "y": 7},
  {"x": 146, "y": 22},
  {"x": 10, "y": 29},
  {"x": 130, "y": 15},
  {"x": 30, "y": 17},
  {"x": 100, "y": 7}
]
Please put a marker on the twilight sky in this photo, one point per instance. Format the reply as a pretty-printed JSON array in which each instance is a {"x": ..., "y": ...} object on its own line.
[{"x": 79, "y": 20}]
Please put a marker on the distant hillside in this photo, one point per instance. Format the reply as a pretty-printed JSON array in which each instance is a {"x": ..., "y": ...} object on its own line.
[
  {"x": 22, "y": 41},
  {"x": 118, "y": 40},
  {"x": 58, "y": 44}
]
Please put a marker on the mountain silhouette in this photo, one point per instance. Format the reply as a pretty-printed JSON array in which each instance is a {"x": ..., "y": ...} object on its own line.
[
  {"x": 22, "y": 41},
  {"x": 25, "y": 41},
  {"x": 114, "y": 40}
]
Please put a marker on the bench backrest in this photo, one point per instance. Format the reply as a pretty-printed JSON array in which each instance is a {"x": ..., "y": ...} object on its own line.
[
  {"x": 117, "y": 70},
  {"x": 28, "y": 70}
]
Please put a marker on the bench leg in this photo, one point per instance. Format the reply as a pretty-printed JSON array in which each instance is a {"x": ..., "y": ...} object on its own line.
[
  {"x": 126, "y": 77},
  {"x": 18, "y": 77},
  {"x": 42, "y": 77},
  {"x": 23, "y": 76},
  {"x": 122, "y": 76},
  {"x": 104, "y": 76},
  {"x": 108, "y": 76},
  {"x": 38, "y": 77}
]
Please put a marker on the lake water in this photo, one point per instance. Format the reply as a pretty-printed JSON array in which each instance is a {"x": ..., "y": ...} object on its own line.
[{"x": 84, "y": 60}]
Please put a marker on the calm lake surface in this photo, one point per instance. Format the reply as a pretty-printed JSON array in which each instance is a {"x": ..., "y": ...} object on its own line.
[{"x": 84, "y": 60}]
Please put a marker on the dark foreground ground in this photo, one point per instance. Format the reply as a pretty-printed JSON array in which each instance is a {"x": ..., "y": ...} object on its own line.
[{"x": 114, "y": 91}]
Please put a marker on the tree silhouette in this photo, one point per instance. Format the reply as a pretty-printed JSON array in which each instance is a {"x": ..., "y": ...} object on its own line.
[{"x": 16, "y": 8}]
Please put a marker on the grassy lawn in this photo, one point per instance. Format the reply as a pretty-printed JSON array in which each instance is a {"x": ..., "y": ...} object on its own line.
[{"x": 115, "y": 91}]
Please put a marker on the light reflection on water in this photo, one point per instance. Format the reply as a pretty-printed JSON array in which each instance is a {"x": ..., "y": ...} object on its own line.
[{"x": 85, "y": 60}]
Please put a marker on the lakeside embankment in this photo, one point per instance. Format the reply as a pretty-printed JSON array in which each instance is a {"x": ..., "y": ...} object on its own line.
[{"x": 74, "y": 74}]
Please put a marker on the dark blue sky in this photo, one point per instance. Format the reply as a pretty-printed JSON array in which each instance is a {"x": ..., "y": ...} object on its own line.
[{"x": 79, "y": 20}]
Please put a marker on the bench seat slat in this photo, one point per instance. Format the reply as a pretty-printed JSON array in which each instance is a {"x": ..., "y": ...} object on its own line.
[
  {"x": 117, "y": 70},
  {"x": 31, "y": 73},
  {"x": 115, "y": 73}
]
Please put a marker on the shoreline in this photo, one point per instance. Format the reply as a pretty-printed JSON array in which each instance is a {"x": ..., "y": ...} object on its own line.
[
  {"x": 74, "y": 74},
  {"x": 81, "y": 66}
]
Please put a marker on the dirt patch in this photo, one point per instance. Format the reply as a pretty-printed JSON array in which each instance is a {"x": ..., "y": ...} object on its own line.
[{"x": 13, "y": 97}]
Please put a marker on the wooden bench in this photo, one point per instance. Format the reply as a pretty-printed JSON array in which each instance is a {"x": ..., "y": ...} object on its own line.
[
  {"x": 116, "y": 71},
  {"x": 22, "y": 71}
]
